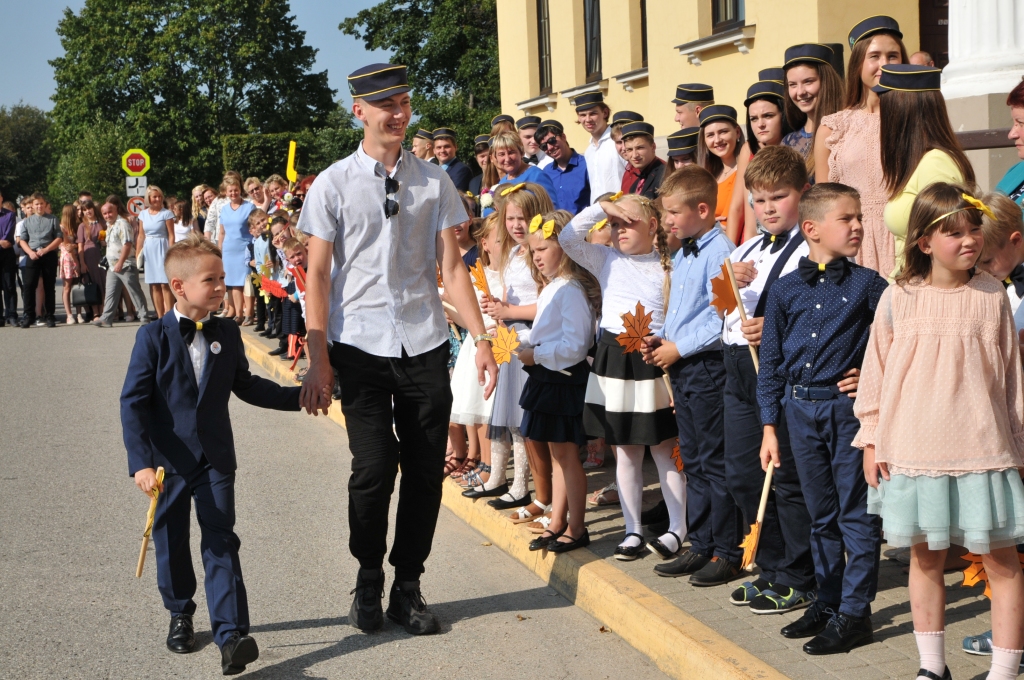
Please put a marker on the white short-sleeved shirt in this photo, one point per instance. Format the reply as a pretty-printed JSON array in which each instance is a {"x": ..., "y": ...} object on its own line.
[{"x": 384, "y": 270}]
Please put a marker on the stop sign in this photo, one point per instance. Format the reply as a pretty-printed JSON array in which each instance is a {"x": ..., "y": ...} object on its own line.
[{"x": 135, "y": 162}]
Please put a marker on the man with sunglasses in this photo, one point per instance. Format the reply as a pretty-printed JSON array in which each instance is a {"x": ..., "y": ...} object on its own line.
[
  {"x": 380, "y": 223},
  {"x": 568, "y": 171}
]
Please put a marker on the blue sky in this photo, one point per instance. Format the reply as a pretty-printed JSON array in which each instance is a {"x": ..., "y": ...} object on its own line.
[{"x": 31, "y": 40}]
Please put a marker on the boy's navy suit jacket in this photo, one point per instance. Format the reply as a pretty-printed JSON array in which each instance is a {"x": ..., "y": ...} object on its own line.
[{"x": 170, "y": 420}]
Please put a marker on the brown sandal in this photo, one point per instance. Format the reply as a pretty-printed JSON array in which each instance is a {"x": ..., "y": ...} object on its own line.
[{"x": 451, "y": 464}]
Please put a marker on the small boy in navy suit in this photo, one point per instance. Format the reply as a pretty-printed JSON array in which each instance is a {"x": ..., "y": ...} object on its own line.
[{"x": 174, "y": 411}]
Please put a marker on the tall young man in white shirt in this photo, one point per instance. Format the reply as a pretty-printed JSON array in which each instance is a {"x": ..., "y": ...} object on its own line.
[{"x": 604, "y": 164}]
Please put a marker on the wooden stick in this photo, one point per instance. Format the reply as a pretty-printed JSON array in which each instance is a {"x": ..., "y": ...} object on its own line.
[
  {"x": 742, "y": 311},
  {"x": 150, "y": 516},
  {"x": 764, "y": 493}
]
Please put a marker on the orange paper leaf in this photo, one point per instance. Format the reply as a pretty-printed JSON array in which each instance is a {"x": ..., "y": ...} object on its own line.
[
  {"x": 440, "y": 281},
  {"x": 480, "y": 277},
  {"x": 723, "y": 299},
  {"x": 638, "y": 326},
  {"x": 505, "y": 342},
  {"x": 975, "y": 573},
  {"x": 677, "y": 457},
  {"x": 749, "y": 545}
]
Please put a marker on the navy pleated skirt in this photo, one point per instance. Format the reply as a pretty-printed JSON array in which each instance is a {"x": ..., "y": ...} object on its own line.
[{"x": 553, "y": 403}]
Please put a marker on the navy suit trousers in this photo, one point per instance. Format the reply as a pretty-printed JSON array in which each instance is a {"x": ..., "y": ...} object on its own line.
[
  {"x": 845, "y": 539},
  {"x": 784, "y": 549},
  {"x": 214, "y": 496},
  {"x": 714, "y": 523}
]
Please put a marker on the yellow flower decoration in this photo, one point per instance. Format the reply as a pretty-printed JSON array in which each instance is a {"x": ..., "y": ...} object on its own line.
[
  {"x": 978, "y": 205},
  {"x": 513, "y": 189},
  {"x": 616, "y": 196},
  {"x": 598, "y": 226}
]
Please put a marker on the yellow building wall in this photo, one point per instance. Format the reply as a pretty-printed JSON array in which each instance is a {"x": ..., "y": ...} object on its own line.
[{"x": 778, "y": 25}]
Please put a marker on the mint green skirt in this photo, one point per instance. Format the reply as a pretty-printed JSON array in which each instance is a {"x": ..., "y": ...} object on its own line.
[{"x": 981, "y": 511}]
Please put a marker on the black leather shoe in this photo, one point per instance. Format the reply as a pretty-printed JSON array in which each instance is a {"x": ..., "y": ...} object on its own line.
[
  {"x": 481, "y": 492},
  {"x": 181, "y": 638},
  {"x": 367, "y": 612},
  {"x": 715, "y": 573},
  {"x": 277, "y": 352},
  {"x": 841, "y": 634},
  {"x": 557, "y": 546},
  {"x": 408, "y": 608},
  {"x": 502, "y": 504},
  {"x": 814, "y": 620},
  {"x": 687, "y": 563},
  {"x": 544, "y": 541},
  {"x": 664, "y": 551},
  {"x": 260, "y": 328},
  {"x": 659, "y": 513},
  {"x": 923, "y": 673},
  {"x": 628, "y": 553},
  {"x": 238, "y": 651}
]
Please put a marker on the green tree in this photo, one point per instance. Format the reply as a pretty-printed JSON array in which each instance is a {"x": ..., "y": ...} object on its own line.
[
  {"x": 93, "y": 163},
  {"x": 24, "y": 150},
  {"x": 180, "y": 74},
  {"x": 451, "y": 50}
]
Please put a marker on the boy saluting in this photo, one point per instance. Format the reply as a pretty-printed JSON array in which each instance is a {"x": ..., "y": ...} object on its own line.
[{"x": 174, "y": 411}]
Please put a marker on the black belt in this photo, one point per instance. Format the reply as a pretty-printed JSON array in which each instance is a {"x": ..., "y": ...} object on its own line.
[{"x": 811, "y": 393}]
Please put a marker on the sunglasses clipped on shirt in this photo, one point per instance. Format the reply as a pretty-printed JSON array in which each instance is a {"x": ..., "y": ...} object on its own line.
[{"x": 390, "y": 190}]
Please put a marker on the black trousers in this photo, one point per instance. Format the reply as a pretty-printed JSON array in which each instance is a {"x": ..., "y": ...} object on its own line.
[
  {"x": 382, "y": 397},
  {"x": 45, "y": 267},
  {"x": 714, "y": 525},
  {"x": 8, "y": 284},
  {"x": 784, "y": 549}
]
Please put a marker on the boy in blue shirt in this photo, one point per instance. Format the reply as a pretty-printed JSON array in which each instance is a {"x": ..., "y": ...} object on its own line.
[
  {"x": 689, "y": 349},
  {"x": 816, "y": 328}
]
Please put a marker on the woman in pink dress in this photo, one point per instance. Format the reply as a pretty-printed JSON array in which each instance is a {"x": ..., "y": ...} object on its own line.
[{"x": 847, "y": 149}]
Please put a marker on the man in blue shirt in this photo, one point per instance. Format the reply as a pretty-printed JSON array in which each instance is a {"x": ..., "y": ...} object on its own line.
[
  {"x": 445, "y": 150},
  {"x": 8, "y": 268},
  {"x": 568, "y": 172}
]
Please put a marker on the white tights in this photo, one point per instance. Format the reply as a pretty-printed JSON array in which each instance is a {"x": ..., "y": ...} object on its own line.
[
  {"x": 629, "y": 478},
  {"x": 499, "y": 461}
]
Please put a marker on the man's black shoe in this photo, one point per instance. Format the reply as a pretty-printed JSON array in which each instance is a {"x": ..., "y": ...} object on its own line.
[
  {"x": 659, "y": 513},
  {"x": 407, "y": 607},
  {"x": 367, "y": 612},
  {"x": 260, "y": 328},
  {"x": 715, "y": 573},
  {"x": 25, "y": 323},
  {"x": 277, "y": 352},
  {"x": 238, "y": 651},
  {"x": 841, "y": 634},
  {"x": 687, "y": 563},
  {"x": 813, "y": 621},
  {"x": 51, "y": 322},
  {"x": 181, "y": 638}
]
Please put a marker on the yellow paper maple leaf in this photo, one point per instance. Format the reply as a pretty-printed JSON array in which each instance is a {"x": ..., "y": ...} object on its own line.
[
  {"x": 505, "y": 342},
  {"x": 480, "y": 277},
  {"x": 723, "y": 298},
  {"x": 749, "y": 545},
  {"x": 638, "y": 327}
]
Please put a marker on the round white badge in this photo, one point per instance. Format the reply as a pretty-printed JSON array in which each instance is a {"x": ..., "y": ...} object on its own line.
[{"x": 215, "y": 347}]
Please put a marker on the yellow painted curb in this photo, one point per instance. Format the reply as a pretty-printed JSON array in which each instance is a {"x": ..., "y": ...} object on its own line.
[{"x": 679, "y": 644}]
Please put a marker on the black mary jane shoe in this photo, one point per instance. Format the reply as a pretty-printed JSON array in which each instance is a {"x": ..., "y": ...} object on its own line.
[
  {"x": 946, "y": 675},
  {"x": 557, "y": 546},
  {"x": 662, "y": 550},
  {"x": 628, "y": 553},
  {"x": 545, "y": 540},
  {"x": 481, "y": 492},
  {"x": 238, "y": 652},
  {"x": 842, "y": 634},
  {"x": 502, "y": 504},
  {"x": 181, "y": 638}
]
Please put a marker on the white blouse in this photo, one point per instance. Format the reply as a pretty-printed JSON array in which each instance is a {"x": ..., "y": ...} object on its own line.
[
  {"x": 564, "y": 328},
  {"x": 520, "y": 288}
]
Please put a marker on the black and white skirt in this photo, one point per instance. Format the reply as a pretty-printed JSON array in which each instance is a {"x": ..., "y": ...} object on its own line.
[
  {"x": 627, "y": 400},
  {"x": 553, "y": 404}
]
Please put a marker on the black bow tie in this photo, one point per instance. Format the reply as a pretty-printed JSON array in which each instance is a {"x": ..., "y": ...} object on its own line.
[
  {"x": 811, "y": 271},
  {"x": 188, "y": 328},
  {"x": 775, "y": 240},
  {"x": 1016, "y": 277},
  {"x": 690, "y": 247},
  {"x": 532, "y": 160}
]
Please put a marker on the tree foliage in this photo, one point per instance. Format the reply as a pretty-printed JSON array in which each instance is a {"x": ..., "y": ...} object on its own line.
[
  {"x": 263, "y": 155},
  {"x": 451, "y": 50},
  {"x": 24, "y": 150},
  {"x": 176, "y": 75},
  {"x": 93, "y": 163}
]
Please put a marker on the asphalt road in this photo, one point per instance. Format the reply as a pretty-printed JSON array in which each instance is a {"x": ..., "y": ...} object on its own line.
[{"x": 71, "y": 522}]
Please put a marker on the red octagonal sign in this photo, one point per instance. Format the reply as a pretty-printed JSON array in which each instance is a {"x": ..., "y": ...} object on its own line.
[{"x": 135, "y": 162}]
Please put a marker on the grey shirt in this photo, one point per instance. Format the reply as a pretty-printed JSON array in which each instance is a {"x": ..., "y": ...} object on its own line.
[
  {"x": 40, "y": 230},
  {"x": 384, "y": 270}
]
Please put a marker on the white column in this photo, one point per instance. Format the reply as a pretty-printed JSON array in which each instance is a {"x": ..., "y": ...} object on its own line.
[{"x": 986, "y": 47}]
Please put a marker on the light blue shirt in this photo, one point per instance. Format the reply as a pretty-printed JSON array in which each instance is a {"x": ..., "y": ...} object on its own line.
[{"x": 691, "y": 322}]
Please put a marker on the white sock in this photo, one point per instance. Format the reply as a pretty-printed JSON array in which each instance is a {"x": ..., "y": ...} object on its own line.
[
  {"x": 673, "y": 488},
  {"x": 520, "y": 484},
  {"x": 1005, "y": 663},
  {"x": 629, "y": 477},
  {"x": 931, "y": 646},
  {"x": 499, "y": 461}
]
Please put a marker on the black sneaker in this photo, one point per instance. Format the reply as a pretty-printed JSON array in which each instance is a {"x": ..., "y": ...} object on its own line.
[
  {"x": 181, "y": 638},
  {"x": 841, "y": 634},
  {"x": 408, "y": 608},
  {"x": 715, "y": 573},
  {"x": 367, "y": 611},
  {"x": 813, "y": 621},
  {"x": 687, "y": 563},
  {"x": 237, "y": 652}
]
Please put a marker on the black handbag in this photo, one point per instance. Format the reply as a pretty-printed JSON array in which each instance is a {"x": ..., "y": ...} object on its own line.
[{"x": 85, "y": 293}]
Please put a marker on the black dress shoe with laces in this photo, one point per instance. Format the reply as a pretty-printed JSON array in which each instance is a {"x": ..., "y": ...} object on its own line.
[
  {"x": 408, "y": 608},
  {"x": 813, "y": 621},
  {"x": 367, "y": 612},
  {"x": 687, "y": 563},
  {"x": 237, "y": 652},
  {"x": 841, "y": 634},
  {"x": 715, "y": 573},
  {"x": 181, "y": 638}
]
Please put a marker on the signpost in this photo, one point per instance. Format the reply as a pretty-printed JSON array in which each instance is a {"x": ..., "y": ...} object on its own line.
[
  {"x": 135, "y": 162},
  {"x": 135, "y": 205}
]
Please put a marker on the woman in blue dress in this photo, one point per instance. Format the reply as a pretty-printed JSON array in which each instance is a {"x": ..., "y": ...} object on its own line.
[
  {"x": 155, "y": 237},
  {"x": 233, "y": 238}
]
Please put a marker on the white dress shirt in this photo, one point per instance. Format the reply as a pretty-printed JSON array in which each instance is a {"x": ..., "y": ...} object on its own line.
[
  {"x": 605, "y": 167},
  {"x": 197, "y": 350},
  {"x": 564, "y": 328}
]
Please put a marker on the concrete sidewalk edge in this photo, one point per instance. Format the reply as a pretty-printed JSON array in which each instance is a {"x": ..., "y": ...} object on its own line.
[{"x": 679, "y": 644}]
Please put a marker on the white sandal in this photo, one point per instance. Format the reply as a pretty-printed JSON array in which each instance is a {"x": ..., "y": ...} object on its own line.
[{"x": 520, "y": 515}]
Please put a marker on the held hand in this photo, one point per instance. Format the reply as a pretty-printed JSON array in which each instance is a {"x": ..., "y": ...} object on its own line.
[
  {"x": 849, "y": 382},
  {"x": 32, "y": 254},
  {"x": 769, "y": 448},
  {"x": 317, "y": 387},
  {"x": 146, "y": 480},
  {"x": 665, "y": 355},
  {"x": 745, "y": 273},
  {"x": 496, "y": 309},
  {"x": 872, "y": 470},
  {"x": 526, "y": 356},
  {"x": 647, "y": 347},
  {"x": 486, "y": 366},
  {"x": 751, "y": 329},
  {"x": 620, "y": 211}
]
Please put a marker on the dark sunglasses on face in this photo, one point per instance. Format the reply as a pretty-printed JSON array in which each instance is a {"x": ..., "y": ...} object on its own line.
[
  {"x": 390, "y": 204},
  {"x": 549, "y": 142}
]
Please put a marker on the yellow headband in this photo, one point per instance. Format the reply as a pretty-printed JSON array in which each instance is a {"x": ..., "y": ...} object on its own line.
[
  {"x": 974, "y": 204},
  {"x": 548, "y": 228},
  {"x": 598, "y": 226},
  {"x": 513, "y": 189}
]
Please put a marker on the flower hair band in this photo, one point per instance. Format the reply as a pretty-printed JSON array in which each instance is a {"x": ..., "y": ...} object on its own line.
[
  {"x": 548, "y": 228},
  {"x": 972, "y": 204}
]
